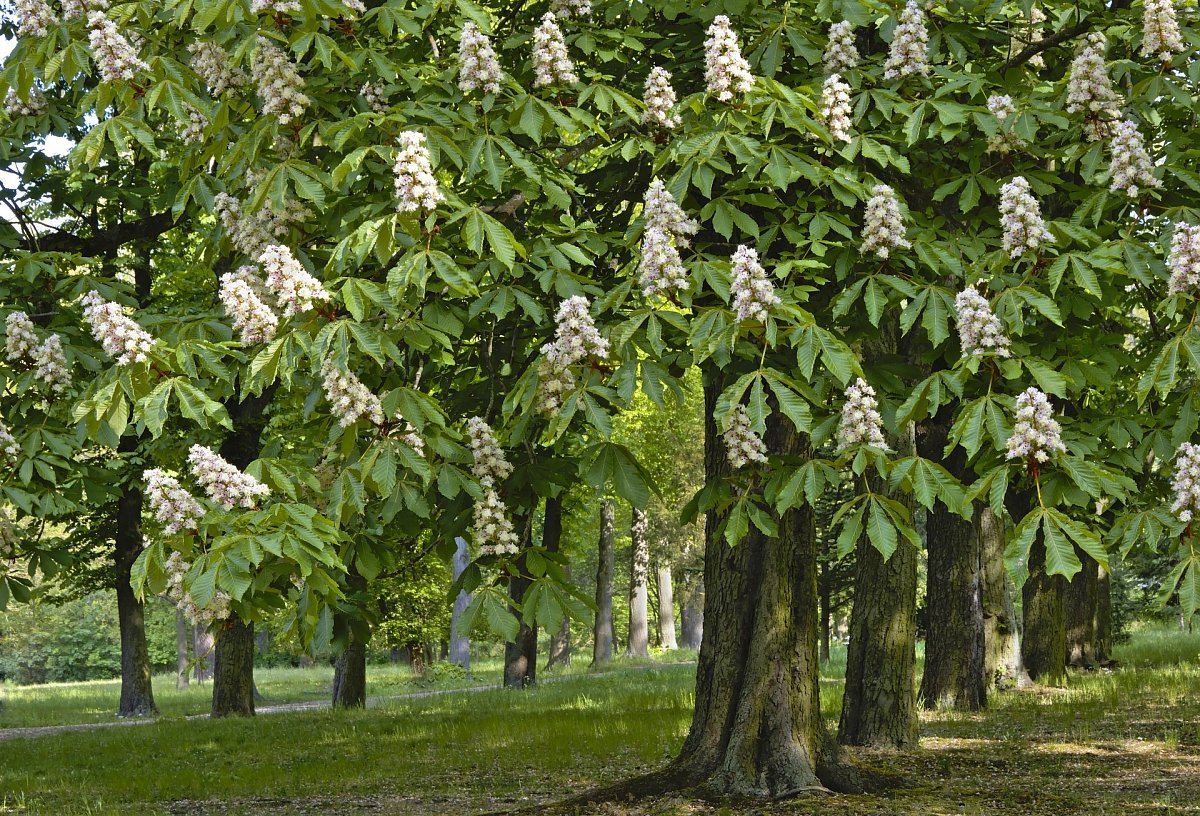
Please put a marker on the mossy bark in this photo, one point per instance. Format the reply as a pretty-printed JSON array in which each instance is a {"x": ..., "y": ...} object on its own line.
[{"x": 233, "y": 670}]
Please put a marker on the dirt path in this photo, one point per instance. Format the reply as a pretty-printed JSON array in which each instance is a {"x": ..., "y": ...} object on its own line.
[{"x": 32, "y": 732}]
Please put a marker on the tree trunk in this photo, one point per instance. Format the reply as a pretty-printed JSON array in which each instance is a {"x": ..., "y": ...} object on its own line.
[
  {"x": 520, "y": 654},
  {"x": 560, "y": 646},
  {"x": 954, "y": 665},
  {"x": 233, "y": 670},
  {"x": 460, "y": 642},
  {"x": 639, "y": 568},
  {"x": 350, "y": 676},
  {"x": 233, "y": 673},
  {"x": 137, "y": 691},
  {"x": 182, "y": 632},
  {"x": 691, "y": 611},
  {"x": 560, "y": 639},
  {"x": 1103, "y": 615},
  {"x": 879, "y": 705},
  {"x": 1001, "y": 634},
  {"x": 1079, "y": 607},
  {"x": 954, "y": 675},
  {"x": 825, "y": 621},
  {"x": 602, "y": 631},
  {"x": 666, "y": 607},
  {"x": 203, "y": 649},
  {"x": 1044, "y": 645}
]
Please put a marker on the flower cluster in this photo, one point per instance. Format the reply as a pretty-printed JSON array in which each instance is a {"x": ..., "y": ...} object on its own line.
[
  {"x": 1004, "y": 139},
  {"x": 355, "y": 5},
  {"x": 50, "y": 365},
  {"x": 34, "y": 103},
  {"x": 34, "y": 18},
  {"x": 564, "y": 9},
  {"x": 197, "y": 123},
  {"x": 375, "y": 96},
  {"x": 290, "y": 282},
  {"x": 115, "y": 57},
  {"x": 8, "y": 444},
  {"x": 78, "y": 8},
  {"x": 348, "y": 398},
  {"x": 752, "y": 294},
  {"x": 725, "y": 69},
  {"x": 478, "y": 67},
  {"x": 416, "y": 188},
  {"x": 576, "y": 338},
  {"x": 860, "y": 423},
  {"x": 662, "y": 212},
  {"x": 660, "y": 269},
  {"x": 225, "y": 484},
  {"x": 834, "y": 111},
  {"x": 280, "y": 86},
  {"x": 217, "y": 609},
  {"x": 550, "y": 61},
  {"x": 19, "y": 339},
  {"x": 493, "y": 530},
  {"x": 841, "y": 53},
  {"x": 1130, "y": 167},
  {"x": 118, "y": 335},
  {"x": 249, "y": 234},
  {"x": 274, "y": 7},
  {"x": 909, "y": 52},
  {"x": 1186, "y": 482},
  {"x": 1160, "y": 30},
  {"x": 1184, "y": 259},
  {"x": 659, "y": 98},
  {"x": 979, "y": 330},
  {"x": 1032, "y": 35},
  {"x": 411, "y": 436},
  {"x": 883, "y": 229},
  {"x": 1089, "y": 90},
  {"x": 173, "y": 506},
  {"x": 742, "y": 444},
  {"x": 1021, "y": 218},
  {"x": 251, "y": 317},
  {"x": 213, "y": 64},
  {"x": 1036, "y": 434}
]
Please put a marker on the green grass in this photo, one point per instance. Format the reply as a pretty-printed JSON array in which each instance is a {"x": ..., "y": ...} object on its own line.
[{"x": 1125, "y": 742}]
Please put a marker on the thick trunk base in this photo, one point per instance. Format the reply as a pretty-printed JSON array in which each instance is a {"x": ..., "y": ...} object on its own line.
[
  {"x": 137, "y": 691},
  {"x": 350, "y": 677},
  {"x": 1044, "y": 644},
  {"x": 1001, "y": 633},
  {"x": 233, "y": 670},
  {"x": 1079, "y": 607}
]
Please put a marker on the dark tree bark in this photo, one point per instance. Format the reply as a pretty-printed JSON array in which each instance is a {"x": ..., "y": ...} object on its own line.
[
  {"x": 520, "y": 654},
  {"x": 639, "y": 568},
  {"x": 460, "y": 642},
  {"x": 756, "y": 728},
  {"x": 350, "y": 676},
  {"x": 1044, "y": 644},
  {"x": 666, "y": 607},
  {"x": 954, "y": 675},
  {"x": 560, "y": 640},
  {"x": 602, "y": 630},
  {"x": 182, "y": 636},
  {"x": 691, "y": 611},
  {"x": 879, "y": 705},
  {"x": 137, "y": 691},
  {"x": 1079, "y": 607},
  {"x": 233, "y": 673},
  {"x": 203, "y": 649},
  {"x": 233, "y": 670},
  {"x": 1001, "y": 633},
  {"x": 1103, "y": 615}
]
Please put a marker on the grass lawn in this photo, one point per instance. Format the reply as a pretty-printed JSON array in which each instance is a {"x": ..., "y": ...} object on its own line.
[{"x": 1126, "y": 743}]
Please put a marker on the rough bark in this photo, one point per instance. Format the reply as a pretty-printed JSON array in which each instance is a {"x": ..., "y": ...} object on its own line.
[
  {"x": 1103, "y": 615},
  {"x": 639, "y": 588},
  {"x": 182, "y": 636},
  {"x": 954, "y": 675},
  {"x": 203, "y": 649},
  {"x": 666, "y": 607},
  {"x": 1001, "y": 634},
  {"x": 1044, "y": 641},
  {"x": 602, "y": 630},
  {"x": 520, "y": 654},
  {"x": 560, "y": 646},
  {"x": 1079, "y": 608},
  {"x": 826, "y": 622},
  {"x": 879, "y": 704},
  {"x": 350, "y": 676},
  {"x": 460, "y": 642},
  {"x": 560, "y": 639},
  {"x": 233, "y": 670},
  {"x": 137, "y": 692}
]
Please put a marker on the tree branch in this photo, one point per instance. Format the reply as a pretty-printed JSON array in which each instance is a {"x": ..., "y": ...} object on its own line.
[
  {"x": 104, "y": 242},
  {"x": 1033, "y": 49}
]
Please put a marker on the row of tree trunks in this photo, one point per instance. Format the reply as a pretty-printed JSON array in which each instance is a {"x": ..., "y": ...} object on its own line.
[
  {"x": 691, "y": 611},
  {"x": 639, "y": 569}
]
